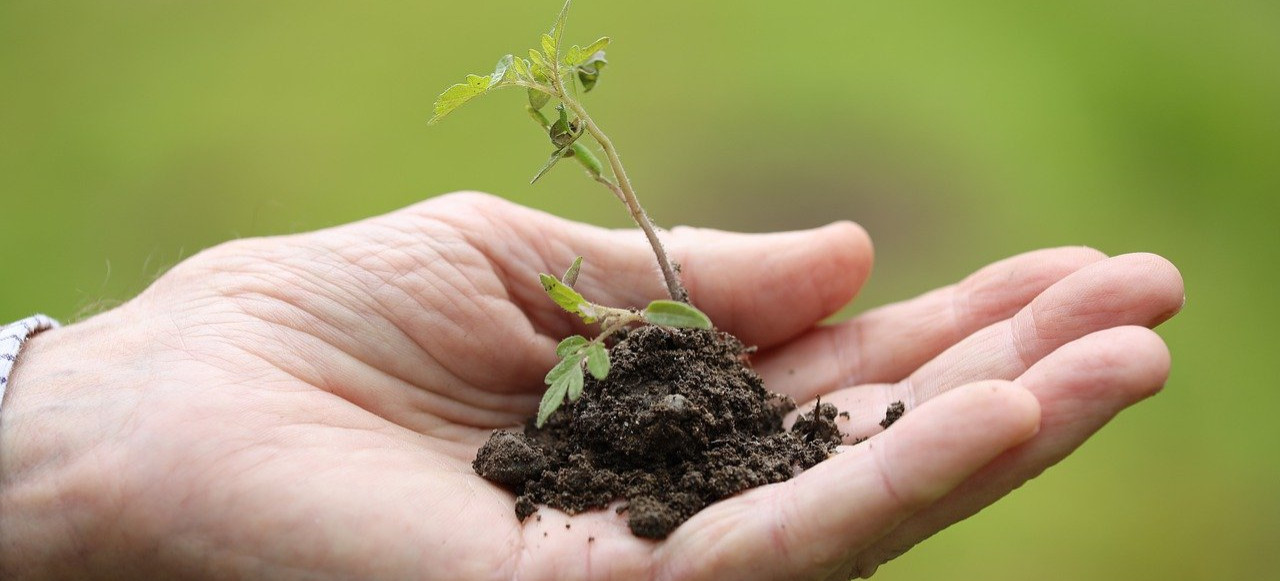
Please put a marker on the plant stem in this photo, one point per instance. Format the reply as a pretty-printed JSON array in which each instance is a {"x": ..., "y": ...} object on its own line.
[
  {"x": 614, "y": 328},
  {"x": 608, "y": 183},
  {"x": 627, "y": 193}
]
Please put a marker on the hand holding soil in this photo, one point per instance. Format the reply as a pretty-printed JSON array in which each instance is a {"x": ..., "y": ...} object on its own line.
[{"x": 311, "y": 404}]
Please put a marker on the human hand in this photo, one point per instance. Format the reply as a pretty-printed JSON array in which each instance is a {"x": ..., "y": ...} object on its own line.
[{"x": 308, "y": 406}]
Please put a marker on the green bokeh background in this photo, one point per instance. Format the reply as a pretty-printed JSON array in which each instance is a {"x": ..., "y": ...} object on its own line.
[{"x": 135, "y": 134}]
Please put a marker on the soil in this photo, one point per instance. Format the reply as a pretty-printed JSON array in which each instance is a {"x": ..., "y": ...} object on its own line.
[
  {"x": 892, "y": 414},
  {"x": 680, "y": 422}
]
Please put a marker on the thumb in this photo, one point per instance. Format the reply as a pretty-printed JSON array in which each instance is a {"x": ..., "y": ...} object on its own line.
[
  {"x": 768, "y": 288},
  {"x": 764, "y": 288}
]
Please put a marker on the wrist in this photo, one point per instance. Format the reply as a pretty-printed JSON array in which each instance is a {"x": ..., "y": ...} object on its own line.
[{"x": 53, "y": 484}]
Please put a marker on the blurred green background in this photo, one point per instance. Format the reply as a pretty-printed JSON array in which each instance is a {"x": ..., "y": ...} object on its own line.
[{"x": 134, "y": 134}]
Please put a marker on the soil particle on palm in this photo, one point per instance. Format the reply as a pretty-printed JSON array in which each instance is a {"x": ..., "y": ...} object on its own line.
[
  {"x": 891, "y": 415},
  {"x": 680, "y": 422}
]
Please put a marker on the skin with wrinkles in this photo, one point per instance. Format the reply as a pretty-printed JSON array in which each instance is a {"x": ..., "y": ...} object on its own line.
[{"x": 307, "y": 406}]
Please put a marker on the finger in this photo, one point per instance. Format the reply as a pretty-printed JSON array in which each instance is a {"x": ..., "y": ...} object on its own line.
[
  {"x": 769, "y": 288},
  {"x": 1134, "y": 289},
  {"x": 764, "y": 288},
  {"x": 811, "y": 525},
  {"x": 887, "y": 343},
  {"x": 1080, "y": 387}
]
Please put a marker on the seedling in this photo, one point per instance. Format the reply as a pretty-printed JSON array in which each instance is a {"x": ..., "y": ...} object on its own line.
[
  {"x": 688, "y": 422},
  {"x": 551, "y": 74}
]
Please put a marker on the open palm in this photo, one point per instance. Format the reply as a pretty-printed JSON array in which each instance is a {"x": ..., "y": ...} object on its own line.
[{"x": 308, "y": 406}]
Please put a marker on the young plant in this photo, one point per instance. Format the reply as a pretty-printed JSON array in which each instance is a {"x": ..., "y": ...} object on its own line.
[
  {"x": 548, "y": 74},
  {"x": 566, "y": 379}
]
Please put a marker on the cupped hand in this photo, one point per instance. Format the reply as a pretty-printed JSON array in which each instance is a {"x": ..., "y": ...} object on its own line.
[{"x": 308, "y": 406}]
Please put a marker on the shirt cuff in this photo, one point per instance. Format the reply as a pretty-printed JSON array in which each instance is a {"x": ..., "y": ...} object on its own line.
[{"x": 12, "y": 336}]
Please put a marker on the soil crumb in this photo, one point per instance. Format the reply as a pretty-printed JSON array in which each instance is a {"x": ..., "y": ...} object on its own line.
[
  {"x": 680, "y": 422},
  {"x": 891, "y": 415}
]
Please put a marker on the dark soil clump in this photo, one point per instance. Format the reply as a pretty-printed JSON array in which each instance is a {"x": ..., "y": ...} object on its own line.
[
  {"x": 891, "y": 415},
  {"x": 680, "y": 422}
]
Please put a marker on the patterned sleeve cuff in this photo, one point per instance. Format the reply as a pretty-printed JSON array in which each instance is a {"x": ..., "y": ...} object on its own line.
[{"x": 12, "y": 336}]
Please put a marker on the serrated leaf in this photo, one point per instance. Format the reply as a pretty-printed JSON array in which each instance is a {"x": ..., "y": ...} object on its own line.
[
  {"x": 475, "y": 85},
  {"x": 676, "y": 314},
  {"x": 570, "y": 345},
  {"x": 598, "y": 360},
  {"x": 554, "y": 397},
  {"x": 566, "y": 297},
  {"x": 457, "y": 95},
  {"x": 571, "y": 276}
]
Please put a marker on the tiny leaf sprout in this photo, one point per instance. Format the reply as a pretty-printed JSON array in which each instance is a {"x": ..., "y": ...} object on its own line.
[{"x": 566, "y": 379}]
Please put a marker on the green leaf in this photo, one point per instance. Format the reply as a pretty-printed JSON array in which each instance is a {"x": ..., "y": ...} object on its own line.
[
  {"x": 538, "y": 65},
  {"x": 575, "y": 380},
  {"x": 565, "y": 365},
  {"x": 577, "y": 55},
  {"x": 538, "y": 117},
  {"x": 566, "y": 297},
  {"x": 538, "y": 99},
  {"x": 598, "y": 360},
  {"x": 570, "y": 345},
  {"x": 457, "y": 95},
  {"x": 589, "y": 70},
  {"x": 676, "y": 314},
  {"x": 522, "y": 69},
  {"x": 534, "y": 73},
  {"x": 549, "y": 47},
  {"x": 565, "y": 379},
  {"x": 475, "y": 85},
  {"x": 589, "y": 73},
  {"x": 555, "y": 158},
  {"x": 596, "y": 46},
  {"x": 555, "y": 394},
  {"x": 572, "y": 55},
  {"x": 571, "y": 276}
]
